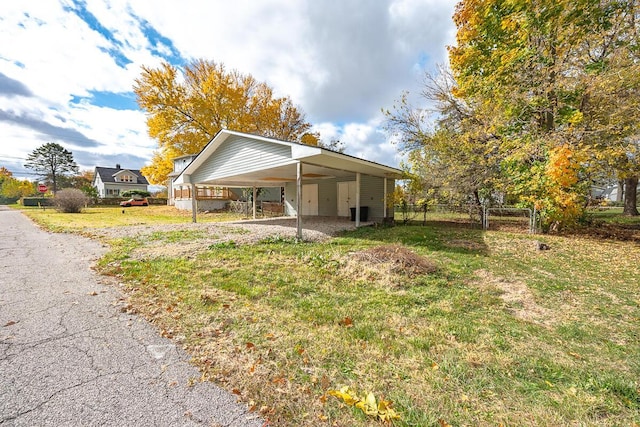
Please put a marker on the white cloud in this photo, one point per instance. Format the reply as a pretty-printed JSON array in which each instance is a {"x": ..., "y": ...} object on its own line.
[{"x": 340, "y": 62}]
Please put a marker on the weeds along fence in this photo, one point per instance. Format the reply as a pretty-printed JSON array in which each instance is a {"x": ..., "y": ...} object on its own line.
[
  {"x": 505, "y": 217},
  {"x": 455, "y": 213},
  {"x": 510, "y": 218}
]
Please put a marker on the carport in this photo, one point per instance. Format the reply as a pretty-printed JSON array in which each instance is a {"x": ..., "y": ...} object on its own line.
[{"x": 316, "y": 181}]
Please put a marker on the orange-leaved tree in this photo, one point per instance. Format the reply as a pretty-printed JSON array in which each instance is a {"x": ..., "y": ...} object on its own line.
[{"x": 186, "y": 107}]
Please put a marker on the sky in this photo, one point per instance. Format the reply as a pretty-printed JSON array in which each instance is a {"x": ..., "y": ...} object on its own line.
[{"x": 67, "y": 67}]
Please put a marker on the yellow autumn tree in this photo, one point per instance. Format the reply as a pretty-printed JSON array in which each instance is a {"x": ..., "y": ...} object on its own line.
[
  {"x": 186, "y": 107},
  {"x": 562, "y": 78},
  {"x": 556, "y": 190}
]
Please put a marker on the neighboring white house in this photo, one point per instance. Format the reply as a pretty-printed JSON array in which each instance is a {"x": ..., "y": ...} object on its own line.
[
  {"x": 315, "y": 181},
  {"x": 612, "y": 191},
  {"x": 112, "y": 182}
]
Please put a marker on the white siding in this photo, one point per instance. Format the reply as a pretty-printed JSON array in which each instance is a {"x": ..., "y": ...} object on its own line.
[
  {"x": 372, "y": 196},
  {"x": 242, "y": 155}
]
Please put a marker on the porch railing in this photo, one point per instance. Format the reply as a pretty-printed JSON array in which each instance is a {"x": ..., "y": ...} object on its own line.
[{"x": 205, "y": 193}]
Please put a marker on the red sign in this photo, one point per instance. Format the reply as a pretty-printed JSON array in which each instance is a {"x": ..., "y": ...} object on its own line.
[{"x": 42, "y": 188}]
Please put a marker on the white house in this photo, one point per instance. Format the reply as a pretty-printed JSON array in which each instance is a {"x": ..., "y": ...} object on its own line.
[{"x": 112, "y": 182}]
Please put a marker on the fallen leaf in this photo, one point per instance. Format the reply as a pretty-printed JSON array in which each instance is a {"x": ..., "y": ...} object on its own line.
[
  {"x": 10, "y": 322},
  {"x": 347, "y": 322},
  {"x": 279, "y": 380},
  {"x": 324, "y": 382},
  {"x": 250, "y": 346},
  {"x": 93, "y": 294},
  {"x": 236, "y": 391}
]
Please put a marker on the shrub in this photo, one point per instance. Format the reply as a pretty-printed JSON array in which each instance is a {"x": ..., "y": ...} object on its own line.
[{"x": 70, "y": 200}]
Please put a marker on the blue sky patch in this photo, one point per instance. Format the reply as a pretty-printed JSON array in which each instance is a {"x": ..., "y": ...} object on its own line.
[
  {"x": 117, "y": 101},
  {"x": 160, "y": 45},
  {"x": 79, "y": 8}
]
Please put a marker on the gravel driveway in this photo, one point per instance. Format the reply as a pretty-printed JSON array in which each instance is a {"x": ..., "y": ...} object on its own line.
[{"x": 202, "y": 235}]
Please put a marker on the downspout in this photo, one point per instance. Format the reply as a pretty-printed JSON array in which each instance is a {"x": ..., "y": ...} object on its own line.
[
  {"x": 299, "y": 199},
  {"x": 357, "y": 199}
]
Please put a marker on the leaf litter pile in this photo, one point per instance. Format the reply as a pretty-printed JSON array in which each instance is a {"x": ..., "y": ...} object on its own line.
[{"x": 395, "y": 259}]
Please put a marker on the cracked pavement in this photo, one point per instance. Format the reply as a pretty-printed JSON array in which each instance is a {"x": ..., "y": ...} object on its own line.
[{"x": 69, "y": 356}]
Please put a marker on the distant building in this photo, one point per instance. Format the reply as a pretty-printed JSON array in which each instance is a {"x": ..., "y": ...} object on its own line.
[{"x": 112, "y": 182}]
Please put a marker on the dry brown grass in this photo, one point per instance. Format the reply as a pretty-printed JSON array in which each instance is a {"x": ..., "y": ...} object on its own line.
[
  {"x": 517, "y": 297},
  {"x": 388, "y": 264}
]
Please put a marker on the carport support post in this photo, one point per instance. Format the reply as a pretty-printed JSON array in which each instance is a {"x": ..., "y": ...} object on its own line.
[
  {"x": 299, "y": 199},
  {"x": 255, "y": 202},
  {"x": 357, "y": 199},
  {"x": 384, "y": 200},
  {"x": 194, "y": 204}
]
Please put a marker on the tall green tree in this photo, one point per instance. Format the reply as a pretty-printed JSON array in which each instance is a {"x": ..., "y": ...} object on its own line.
[
  {"x": 187, "y": 107},
  {"x": 50, "y": 162}
]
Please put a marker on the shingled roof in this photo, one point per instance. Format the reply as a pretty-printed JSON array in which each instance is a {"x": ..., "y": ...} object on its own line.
[{"x": 107, "y": 174}]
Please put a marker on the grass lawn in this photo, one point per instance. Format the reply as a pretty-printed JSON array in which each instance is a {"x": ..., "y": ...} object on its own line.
[
  {"x": 115, "y": 216},
  {"x": 493, "y": 332}
]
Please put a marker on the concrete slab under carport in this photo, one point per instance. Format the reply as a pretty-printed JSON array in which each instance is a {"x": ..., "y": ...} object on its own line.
[{"x": 318, "y": 225}]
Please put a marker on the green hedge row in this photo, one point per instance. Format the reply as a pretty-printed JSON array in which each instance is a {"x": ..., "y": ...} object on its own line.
[
  {"x": 37, "y": 201},
  {"x": 114, "y": 201}
]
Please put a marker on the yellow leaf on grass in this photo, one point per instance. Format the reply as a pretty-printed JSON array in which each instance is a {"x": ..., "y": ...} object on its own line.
[
  {"x": 345, "y": 394},
  {"x": 381, "y": 410}
]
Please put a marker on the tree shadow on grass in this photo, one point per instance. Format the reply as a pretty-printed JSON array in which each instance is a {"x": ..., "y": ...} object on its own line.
[{"x": 438, "y": 236}]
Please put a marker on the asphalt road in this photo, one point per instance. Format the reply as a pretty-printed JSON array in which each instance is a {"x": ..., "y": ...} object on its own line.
[{"x": 70, "y": 357}]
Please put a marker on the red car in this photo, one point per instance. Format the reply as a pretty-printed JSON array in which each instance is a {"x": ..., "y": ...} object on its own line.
[{"x": 135, "y": 202}]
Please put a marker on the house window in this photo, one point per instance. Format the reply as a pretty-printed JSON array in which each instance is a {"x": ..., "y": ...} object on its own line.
[
  {"x": 113, "y": 192},
  {"x": 126, "y": 178}
]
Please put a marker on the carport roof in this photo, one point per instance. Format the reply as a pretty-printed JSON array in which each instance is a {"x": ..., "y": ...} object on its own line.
[{"x": 318, "y": 163}]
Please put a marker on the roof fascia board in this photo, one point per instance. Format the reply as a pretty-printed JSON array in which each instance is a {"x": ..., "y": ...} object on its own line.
[
  {"x": 121, "y": 171},
  {"x": 299, "y": 152}
]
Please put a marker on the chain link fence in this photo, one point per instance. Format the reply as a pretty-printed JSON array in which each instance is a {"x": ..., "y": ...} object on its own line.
[{"x": 494, "y": 218}]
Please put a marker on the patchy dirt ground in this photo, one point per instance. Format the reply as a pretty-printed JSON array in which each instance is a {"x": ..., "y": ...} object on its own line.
[
  {"x": 517, "y": 297},
  {"x": 188, "y": 239}
]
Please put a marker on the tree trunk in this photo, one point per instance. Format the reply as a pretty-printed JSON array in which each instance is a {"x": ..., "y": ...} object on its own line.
[
  {"x": 620, "y": 194},
  {"x": 631, "y": 189},
  {"x": 479, "y": 207}
]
